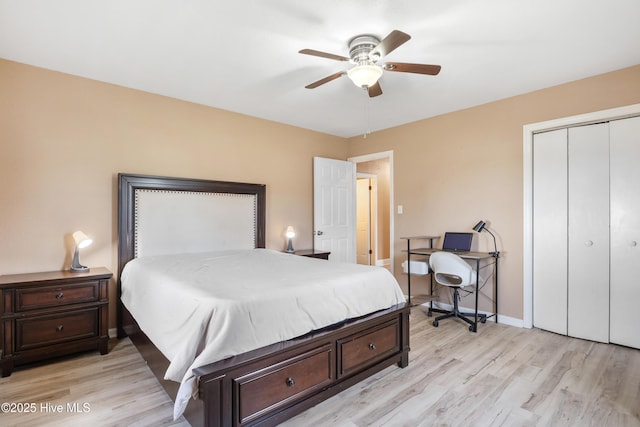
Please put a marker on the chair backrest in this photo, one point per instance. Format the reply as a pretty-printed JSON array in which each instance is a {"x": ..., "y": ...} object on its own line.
[{"x": 451, "y": 270}]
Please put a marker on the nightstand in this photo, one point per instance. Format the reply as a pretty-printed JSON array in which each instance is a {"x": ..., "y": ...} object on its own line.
[
  {"x": 45, "y": 315},
  {"x": 313, "y": 253}
]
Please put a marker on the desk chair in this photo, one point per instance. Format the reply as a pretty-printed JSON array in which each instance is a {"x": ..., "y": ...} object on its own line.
[{"x": 452, "y": 271}]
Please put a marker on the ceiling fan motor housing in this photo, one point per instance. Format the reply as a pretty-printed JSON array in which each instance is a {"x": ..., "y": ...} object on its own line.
[{"x": 360, "y": 47}]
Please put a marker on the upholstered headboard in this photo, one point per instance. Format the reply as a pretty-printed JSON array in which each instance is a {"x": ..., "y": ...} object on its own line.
[{"x": 162, "y": 215}]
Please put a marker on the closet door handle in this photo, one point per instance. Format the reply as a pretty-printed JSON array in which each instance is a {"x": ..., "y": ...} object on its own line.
[
  {"x": 634, "y": 243},
  {"x": 589, "y": 243}
]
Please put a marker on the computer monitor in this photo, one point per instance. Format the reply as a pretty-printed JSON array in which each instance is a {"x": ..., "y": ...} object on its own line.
[{"x": 457, "y": 242}]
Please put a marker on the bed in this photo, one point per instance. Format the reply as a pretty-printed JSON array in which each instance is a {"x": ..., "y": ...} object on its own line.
[{"x": 276, "y": 360}]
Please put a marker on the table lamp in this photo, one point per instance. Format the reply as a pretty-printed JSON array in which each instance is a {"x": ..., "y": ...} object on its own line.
[
  {"x": 290, "y": 234},
  {"x": 82, "y": 241}
]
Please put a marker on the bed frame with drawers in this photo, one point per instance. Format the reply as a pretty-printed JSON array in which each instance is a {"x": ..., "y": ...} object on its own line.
[{"x": 271, "y": 384}]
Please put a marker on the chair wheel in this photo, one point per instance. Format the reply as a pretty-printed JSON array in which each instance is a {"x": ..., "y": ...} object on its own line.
[
  {"x": 472, "y": 328},
  {"x": 483, "y": 320},
  {"x": 429, "y": 313},
  {"x": 435, "y": 323}
]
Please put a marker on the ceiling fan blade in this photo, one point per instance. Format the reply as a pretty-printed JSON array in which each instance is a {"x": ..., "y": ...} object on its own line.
[
  {"x": 323, "y": 54},
  {"x": 390, "y": 43},
  {"x": 431, "y": 70},
  {"x": 325, "y": 80},
  {"x": 375, "y": 90}
]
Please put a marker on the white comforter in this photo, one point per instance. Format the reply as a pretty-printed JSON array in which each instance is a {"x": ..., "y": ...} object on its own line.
[{"x": 201, "y": 308}]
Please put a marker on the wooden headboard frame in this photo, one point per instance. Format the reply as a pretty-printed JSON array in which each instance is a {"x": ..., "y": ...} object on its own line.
[{"x": 129, "y": 184}]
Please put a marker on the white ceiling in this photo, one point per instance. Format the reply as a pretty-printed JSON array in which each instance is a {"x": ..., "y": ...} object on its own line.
[{"x": 242, "y": 55}]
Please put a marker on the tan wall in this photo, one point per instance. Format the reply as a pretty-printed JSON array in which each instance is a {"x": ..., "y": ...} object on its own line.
[
  {"x": 63, "y": 140},
  {"x": 453, "y": 170}
]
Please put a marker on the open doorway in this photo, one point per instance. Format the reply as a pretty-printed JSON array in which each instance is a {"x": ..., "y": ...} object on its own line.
[
  {"x": 377, "y": 169},
  {"x": 366, "y": 216}
]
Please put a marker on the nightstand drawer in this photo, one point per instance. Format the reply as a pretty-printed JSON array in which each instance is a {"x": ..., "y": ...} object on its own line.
[
  {"x": 52, "y": 296},
  {"x": 283, "y": 383},
  {"x": 362, "y": 350},
  {"x": 40, "y": 331}
]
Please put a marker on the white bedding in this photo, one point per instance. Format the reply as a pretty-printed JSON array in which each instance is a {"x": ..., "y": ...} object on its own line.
[{"x": 201, "y": 308}]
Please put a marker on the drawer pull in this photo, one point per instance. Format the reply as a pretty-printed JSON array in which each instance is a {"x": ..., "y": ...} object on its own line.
[
  {"x": 372, "y": 346},
  {"x": 291, "y": 382},
  {"x": 59, "y": 328},
  {"x": 59, "y": 295}
]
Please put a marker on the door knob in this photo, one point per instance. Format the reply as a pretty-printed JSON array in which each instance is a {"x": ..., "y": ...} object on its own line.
[
  {"x": 589, "y": 243},
  {"x": 634, "y": 243},
  {"x": 319, "y": 233}
]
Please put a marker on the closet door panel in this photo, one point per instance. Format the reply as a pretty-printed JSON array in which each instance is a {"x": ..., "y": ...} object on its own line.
[
  {"x": 588, "y": 226},
  {"x": 625, "y": 231},
  {"x": 550, "y": 231}
]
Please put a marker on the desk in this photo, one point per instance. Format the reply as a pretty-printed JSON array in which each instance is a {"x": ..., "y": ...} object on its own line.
[{"x": 477, "y": 257}]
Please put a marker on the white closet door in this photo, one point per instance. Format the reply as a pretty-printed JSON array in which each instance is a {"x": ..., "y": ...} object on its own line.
[
  {"x": 550, "y": 231},
  {"x": 625, "y": 231},
  {"x": 588, "y": 278}
]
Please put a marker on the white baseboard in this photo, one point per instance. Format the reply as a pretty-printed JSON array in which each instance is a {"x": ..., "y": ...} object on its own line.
[
  {"x": 383, "y": 262},
  {"x": 505, "y": 320}
]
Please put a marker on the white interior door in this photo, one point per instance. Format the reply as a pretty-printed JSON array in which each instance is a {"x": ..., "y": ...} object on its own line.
[
  {"x": 550, "y": 231},
  {"x": 334, "y": 208},
  {"x": 625, "y": 231},
  {"x": 588, "y": 243}
]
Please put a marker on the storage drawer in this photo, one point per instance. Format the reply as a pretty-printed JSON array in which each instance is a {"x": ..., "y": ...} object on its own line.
[
  {"x": 362, "y": 350},
  {"x": 39, "y": 331},
  {"x": 282, "y": 383},
  {"x": 51, "y": 296}
]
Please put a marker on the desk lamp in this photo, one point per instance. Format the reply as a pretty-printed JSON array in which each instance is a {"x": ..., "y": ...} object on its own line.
[
  {"x": 82, "y": 241},
  {"x": 479, "y": 227}
]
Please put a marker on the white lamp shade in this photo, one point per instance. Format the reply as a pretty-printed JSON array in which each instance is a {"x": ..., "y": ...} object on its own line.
[
  {"x": 81, "y": 239},
  {"x": 365, "y": 75},
  {"x": 290, "y": 233}
]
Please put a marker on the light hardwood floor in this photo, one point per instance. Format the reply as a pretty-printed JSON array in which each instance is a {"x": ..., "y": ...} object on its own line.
[
  {"x": 501, "y": 376},
  {"x": 118, "y": 387}
]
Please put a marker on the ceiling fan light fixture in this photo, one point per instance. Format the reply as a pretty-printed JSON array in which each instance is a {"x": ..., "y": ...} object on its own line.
[{"x": 365, "y": 75}]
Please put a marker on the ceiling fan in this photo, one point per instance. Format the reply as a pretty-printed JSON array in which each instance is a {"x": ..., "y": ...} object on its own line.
[{"x": 365, "y": 51}]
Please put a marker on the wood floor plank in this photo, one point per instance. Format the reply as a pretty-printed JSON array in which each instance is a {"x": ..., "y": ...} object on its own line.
[
  {"x": 499, "y": 376},
  {"x": 118, "y": 389}
]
